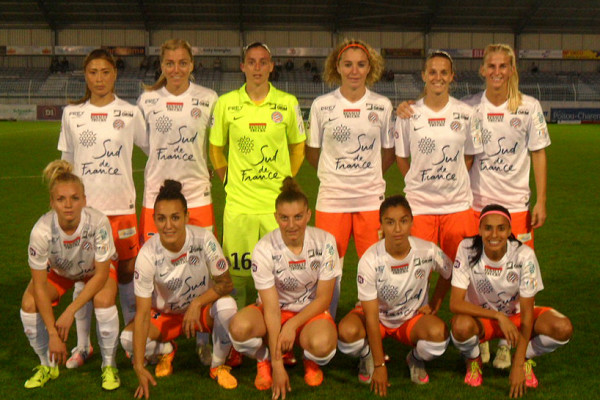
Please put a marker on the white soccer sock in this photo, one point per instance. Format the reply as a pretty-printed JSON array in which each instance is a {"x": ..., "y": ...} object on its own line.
[
  {"x": 469, "y": 348},
  {"x": 202, "y": 338},
  {"x": 360, "y": 348},
  {"x": 336, "y": 297},
  {"x": 222, "y": 311},
  {"x": 254, "y": 348},
  {"x": 107, "y": 328},
  {"x": 127, "y": 341},
  {"x": 319, "y": 360},
  {"x": 36, "y": 332},
  {"x": 542, "y": 344},
  {"x": 83, "y": 319},
  {"x": 127, "y": 298},
  {"x": 427, "y": 351},
  {"x": 503, "y": 342},
  {"x": 153, "y": 347}
]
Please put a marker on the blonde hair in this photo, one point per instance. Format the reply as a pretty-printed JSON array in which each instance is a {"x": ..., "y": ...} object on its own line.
[
  {"x": 98, "y": 54},
  {"x": 514, "y": 96},
  {"x": 171, "y": 44},
  {"x": 333, "y": 77},
  {"x": 60, "y": 171}
]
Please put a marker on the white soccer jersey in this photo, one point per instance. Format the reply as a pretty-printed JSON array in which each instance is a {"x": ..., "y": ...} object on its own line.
[
  {"x": 100, "y": 140},
  {"x": 401, "y": 286},
  {"x": 498, "y": 285},
  {"x": 437, "y": 181},
  {"x": 173, "y": 280},
  {"x": 350, "y": 136},
  {"x": 295, "y": 276},
  {"x": 177, "y": 127},
  {"x": 71, "y": 256},
  {"x": 501, "y": 173}
]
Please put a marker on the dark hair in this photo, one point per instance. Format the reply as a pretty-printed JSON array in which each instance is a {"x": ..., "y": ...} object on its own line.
[
  {"x": 98, "y": 54},
  {"x": 290, "y": 192},
  {"x": 477, "y": 245},
  {"x": 396, "y": 200},
  {"x": 255, "y": 45},
  {"x": 171, "y": 190}
]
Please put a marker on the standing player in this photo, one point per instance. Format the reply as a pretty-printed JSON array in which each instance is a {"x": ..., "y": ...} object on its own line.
[
  {"x": 71, "y": 243},
  {"x": 393, "y": 287},
  {"x": 294, "y": 269},
  {"x": 440, "y": 138},
  {"x": 265, "y": 133},
  {"x": 350, "y": 144},
  {"x": 97, "y": 136},
  {"x": 500, "y": 277},
  {"x": 181, "y": 286},
  {"x": 177, "y": 114}
]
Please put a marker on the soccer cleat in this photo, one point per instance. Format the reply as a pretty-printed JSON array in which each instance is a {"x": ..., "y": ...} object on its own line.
[
  {"x": 530, "y": 379},
  {"x": 474, "y": 377},
  {"x": 235, "y": 358},
  {"x": 42, "y": 375},
  {"x": 79, "y": 357},
  {"x": 110, "y": 378},
  {"x": 165, "y": 363},
  {"x": 366, "y": 368},
  {"x": 313, "y": 376},
  {"x": 417, "y": 369},
  {"x": 484, "y": 350},
  {"x": 264, "y": 377},
  {"x": 289, "y": 359},
  {"x": 222, "y": 374},
  {"x": 502, "y": 359},
  {"x": 204, "y": 353}
]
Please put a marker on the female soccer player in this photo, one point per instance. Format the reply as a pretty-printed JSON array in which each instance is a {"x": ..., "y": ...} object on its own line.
[
  {"x": 393, "y": 287},
  {"x": 68, "y": 244},
  {"x": 351, "y": 145},
  {"x": 500, "y": 277},
  {"x": 97, "y": 136},
  {"x": 294, "y": 269},
  {"x": 181, "y": 286},
  {"x": 265, "y": 132},
  {"x": 434, "y": 150}
]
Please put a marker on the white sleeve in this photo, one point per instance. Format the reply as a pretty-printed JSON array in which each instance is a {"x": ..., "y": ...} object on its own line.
[
  {"x": 473, "y": 144},
  {"x": 330, "y": 267},
  {"x": 143, "y": 282},
  {"x": 538, "y": 130},
  {"x": 531, "y": 279},
  {"x": 315, "y": 132},
  {"x": 402, "y": 129},
  {"x": 262, "y": 267},
  {"x": 213, "y": 255},
  {"x": 387, "y": 128},
  {"x": 140, "y": 133},
  {"x": 105, "y": 246},
  {"x": 38, "y": 249},
  {"x": 366, "y": 278},
  {"x": 441, "y": 262},
  {"x": 64, "y": 139},
  {"x": 461, "y": 277}
]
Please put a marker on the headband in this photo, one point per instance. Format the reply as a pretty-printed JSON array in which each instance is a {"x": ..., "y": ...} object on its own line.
[
  {"x": 360, "y": 46},
  {"x": 505, "y": 215}
]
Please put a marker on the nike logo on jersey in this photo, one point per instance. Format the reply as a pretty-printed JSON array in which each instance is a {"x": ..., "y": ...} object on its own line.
[
  {"x": 333, "y": 119},
  {"x": 415, "y": 128},
  {"x": 156, "y": 112},
  {"x": 279, "y": 271},
  {"x": 238, "y": 117},
  {"x": 163, "y": 274},
  {"x": 80, "y": 125}
]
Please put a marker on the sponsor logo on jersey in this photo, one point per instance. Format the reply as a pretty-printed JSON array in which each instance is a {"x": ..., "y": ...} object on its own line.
[
  {"x": 314, "y": 252},
  {"x": 277, "y": 117},
  {"x": 512, "y": 277},
  {"x": 360, "y": 279},
  {"x": 118, "y": 124},
  {"x": 493, "y": 271},
  {"x": 399, "y": 269},
  {"x": 297, "y": 265},
  {"x": 198, "y": 102},
  {"x": 151, "y": 101},
  {"x": 122, "y": 113},
  {"x": 276, "y": 257},
  {"x": 174, "y": 284},
  {"x": 76, "y": 113},
  {"x": 99, "y": 117},
  {"x": 32, "y": 252},
  {"x": 419, "y": 273},
  {"x": 86, "y": 245},
  {"x": 328, "y": 108},
  {"x": 257, "y": 127},
  {"x": 351, "y": 113},
  {"x": 63, "y": 264},
  {"x": 179, "y": 260},
  {"x": 195, "y": 248},
  {"x": 315, "y": 264},
  {"x": 275, "y": 106},
  {"x": 515, "y": 122},
  {"x": 455, "y": 126},
  {"x": 234, "y": 108},
  {"x": 194, "y": 260},
  {"x": 172, "y": 106},
  {"x": 436, "y": 122},
  {"x": 222, "y": 264},
  {"x": 126, "y": 233},
  {"x": 69, "y": 244},
  {"x": 373, "y": 117},
  {"x": 376, "y": 107},
  {"x": 495, "y": 117},
  {"x": 195, "y": 113}
]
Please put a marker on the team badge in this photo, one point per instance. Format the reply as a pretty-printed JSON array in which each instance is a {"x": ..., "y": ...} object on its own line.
[
  {"x": 455, "y": 126},
  {"x": 86, "y": 245},
  {"x": 512, "y": 277},
  {"x": 196, "y": 113},
  {"x": 193, "y": 260},
  {"x": 515, "y": 122},
  {"x": 118, "y": 124},
  {"x": 222, "y": 264},
  {"x": 360, "y": 279},
  {"x": 419, "y": 274},
  {"x": 277, "y": 117},
  {"x": 32, "y": 252},
  {"x": 254, "y": 267},
  {"x": 373, "y": 117},
  {"x": 315, "y": 264}
]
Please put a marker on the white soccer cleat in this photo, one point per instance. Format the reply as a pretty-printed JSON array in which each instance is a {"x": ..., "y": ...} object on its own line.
[
  {"x": 484, "y": 350},
  {"x": 79, "y": 357},
  {"x": 503, "y": 358}
]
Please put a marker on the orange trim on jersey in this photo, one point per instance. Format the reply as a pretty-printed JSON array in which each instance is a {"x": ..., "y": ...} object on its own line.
[{"x": 492, "y": 330}]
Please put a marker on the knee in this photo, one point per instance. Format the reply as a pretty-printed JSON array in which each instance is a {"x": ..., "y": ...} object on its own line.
[
  {"x": 437, "y": 331},
  {"x": 240, "y": 329},
  {"x": 103, "y": 300},
  {"x": 350, "y": 332},
  {"x": 28, "y": 303},
  {"x": 562, "y": 329},
  {"x": 463, "y": 327},
  {"x": 322, "y": 345}
]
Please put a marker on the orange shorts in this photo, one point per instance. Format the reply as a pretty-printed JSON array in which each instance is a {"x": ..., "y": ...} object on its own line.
[
  {"x": 287, "y": 315},
  {"x": 492, "y": 328},
  {"x": 520, "y": 225},
  {"x": 364, "y": 225},
  {"x": 125, "y": 235},
  {"x": 171, "y": 325},
  {"x": 200, "y": 216},
  {"x": 446, "y": 229},
  {"x": 401, "y": 333},
  {"x": 62, "y": 284}
]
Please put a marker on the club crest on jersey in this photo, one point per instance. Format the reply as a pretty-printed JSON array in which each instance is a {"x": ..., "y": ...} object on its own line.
[
  {"x": 98, "y": 117},
  {"x": 436, "y": 122},
  {"x": 172, "y": 106},
  {"x": 351, "y": 113},
  {"x": 257, "y": 127},
  {"x": 222, "y": 264},
  {"x": 515, "y": 122},
  {"x": 297, "y": 265},
  {"x": 195, "y": 113},
  {"x": 32, "y": 252},
  {"x": 493, "y": 271},
  {"x": 373, "y": 117},
  {"x": 194, "y": 260},
  {"x": 419, "y": 273},
  {"x": 69, "y": 244},
  {"x": 455, "y": 126},
  {"x": 179, "y": 260},
  {"x": 399, "y": 269},
  {"x": 87, "y": 246},
  {"x": 495, "y": 117},
  {"x": 512, "y": 277},
  {"x": 315, "y": 264},
  {"x": 254, "y": 267},
  {"x": 360, "y": 279},
  {"x": 277, "y": 117},
  {"x": 118, "y": 124}
]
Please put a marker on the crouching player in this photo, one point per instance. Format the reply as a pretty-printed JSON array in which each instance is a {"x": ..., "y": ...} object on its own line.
[
  {"x": 393, "y": 287},
  {"x": 181, "y": 286},
  {"x": 501, "y": 277},
  {"x": 294, "y": 269}
]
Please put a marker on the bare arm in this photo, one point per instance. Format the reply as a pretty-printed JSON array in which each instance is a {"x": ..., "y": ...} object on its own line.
[
  {"x": 379, "y": 382},
  {"x": 517, "y": 372},
  {"x": 218, "y": 160},
  {"x": 312, "y": 156},
  {"x": 387, "y": 158},
  {"x": 441, "y": 288},
  {"x": 141, "y": 326},
  {"x": 403, "y": 165},
  {"x": 540, "y": 172}
]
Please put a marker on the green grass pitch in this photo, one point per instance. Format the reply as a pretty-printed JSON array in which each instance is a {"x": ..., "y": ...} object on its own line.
[{"x": 566, "y": 246}]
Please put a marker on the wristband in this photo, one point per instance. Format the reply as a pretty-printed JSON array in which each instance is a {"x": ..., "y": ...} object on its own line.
[{"x": 380, "y": 365}]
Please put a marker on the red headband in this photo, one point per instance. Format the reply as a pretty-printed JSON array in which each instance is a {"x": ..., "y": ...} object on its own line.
[
  {"x": 360, "y": 46},
  {"x": 505, "y": 215}
]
